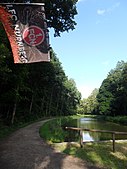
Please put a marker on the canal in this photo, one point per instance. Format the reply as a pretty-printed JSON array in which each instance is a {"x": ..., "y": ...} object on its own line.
[{"x": 92, "y": 123}]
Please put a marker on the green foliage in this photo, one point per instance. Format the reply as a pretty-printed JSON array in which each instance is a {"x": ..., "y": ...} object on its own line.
[
  {"x": 118, "y": 119},
  {"x": 32, "y": 91},
  {"x": 60, "y": 14},
  {"x": 54, "y": 130},
  {"x": 112, "y": 96},
  {"x": 111, "y": 99},
  {"x": 89, "y": 105}
]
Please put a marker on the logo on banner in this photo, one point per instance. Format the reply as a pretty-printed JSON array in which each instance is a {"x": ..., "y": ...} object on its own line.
[{"x": 33, "y": 35}]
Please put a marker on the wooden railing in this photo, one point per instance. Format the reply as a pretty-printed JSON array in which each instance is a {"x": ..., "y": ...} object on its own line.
[{"x": 101, "y": 131}]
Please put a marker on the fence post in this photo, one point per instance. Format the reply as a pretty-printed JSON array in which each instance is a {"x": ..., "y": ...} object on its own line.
[
  {"x": 81, "y": 138},
  {"x": 113, "y": 139}
]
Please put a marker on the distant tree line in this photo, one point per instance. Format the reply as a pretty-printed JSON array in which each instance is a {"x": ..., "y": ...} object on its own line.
[
  {"x": 89, "y": 105},
  {"x": 111, "y": 98},
  {"x": 32, "y": 91}
]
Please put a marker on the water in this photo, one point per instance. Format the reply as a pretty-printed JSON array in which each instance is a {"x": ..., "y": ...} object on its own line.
[{"x": 91, "y": 123}]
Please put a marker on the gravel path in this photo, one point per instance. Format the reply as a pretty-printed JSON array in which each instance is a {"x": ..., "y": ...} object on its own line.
[{"x": 24, "y": 149}]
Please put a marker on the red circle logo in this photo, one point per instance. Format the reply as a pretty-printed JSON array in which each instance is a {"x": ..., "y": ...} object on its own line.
[{"x": 33, "y": 35}]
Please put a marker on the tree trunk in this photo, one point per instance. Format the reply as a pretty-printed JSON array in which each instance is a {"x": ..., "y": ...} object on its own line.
[
  {"x": 42, "y": 105},
  {"x": 46, "y": 111},
  {"x": 15, "y": 104},
  {"x": 14, "y": 112},
  {"x": 61, "y": 107},
  {"x": 57, "y": 104},
  {"x": 31, "y": 104},
  {"x": 50, "y": 102}
]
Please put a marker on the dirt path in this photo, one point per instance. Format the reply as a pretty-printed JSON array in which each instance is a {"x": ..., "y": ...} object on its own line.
[{"x": 24, "y": 149}]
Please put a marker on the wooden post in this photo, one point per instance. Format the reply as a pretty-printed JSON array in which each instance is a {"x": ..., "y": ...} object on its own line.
[
  {"x": 81, "y": 138},
  {"x": 113, "y": 139},
  {"x": 92, "y": 130}
]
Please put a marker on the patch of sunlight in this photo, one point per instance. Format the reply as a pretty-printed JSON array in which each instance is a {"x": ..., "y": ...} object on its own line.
[
  {"x": 59, "y": 147},
  {"x": 124, "y": 147},
  {"x": 119, "y": 155},
  {"x": 95, "y": 157},
  {"x": 72, "y": 151},
  {"x": 44, "y": 164}
]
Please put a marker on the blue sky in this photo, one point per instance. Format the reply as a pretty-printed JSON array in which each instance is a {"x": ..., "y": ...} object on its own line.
[{"x": 98, "y": 42}]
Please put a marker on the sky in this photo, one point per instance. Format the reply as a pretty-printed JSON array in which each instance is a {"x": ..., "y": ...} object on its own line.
[{"x": 98, "y": 42}]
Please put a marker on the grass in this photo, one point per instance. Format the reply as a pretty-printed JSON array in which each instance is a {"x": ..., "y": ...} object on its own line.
[
  {"x": 99, "y": 154},
  {"x": 53, "y": 131},
  {"x": 118, "y": 119}
]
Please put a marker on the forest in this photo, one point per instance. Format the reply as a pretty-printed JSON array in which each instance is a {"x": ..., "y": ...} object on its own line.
[
  {"x": 34, "y": 90},
  {"x": 111, "y": 98}
]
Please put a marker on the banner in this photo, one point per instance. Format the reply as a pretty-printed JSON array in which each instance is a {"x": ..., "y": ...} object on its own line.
[{"x": 26, "y": 28}]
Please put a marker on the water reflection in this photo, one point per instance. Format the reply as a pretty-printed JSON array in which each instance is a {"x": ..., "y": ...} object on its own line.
[
  {"x": 87, "y": 137},
  {"x": 92, "y": 123}
]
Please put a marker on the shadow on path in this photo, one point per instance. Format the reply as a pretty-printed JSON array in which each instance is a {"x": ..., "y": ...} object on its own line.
[{"x": 24, "y": 149}]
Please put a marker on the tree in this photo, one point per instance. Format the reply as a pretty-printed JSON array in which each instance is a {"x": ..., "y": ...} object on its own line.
[
  {"x": 28, "y": 92},
  {"x": 112, "y": 96},
  {"x": 59, "y": 13},
  {"x": 89, "y": 105},
  {"x": 92, "y": 103},
  {"x": 82, "y": 108},
  {"x": 121, "y": 94},
  {"x": 73, "y": 96}
]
